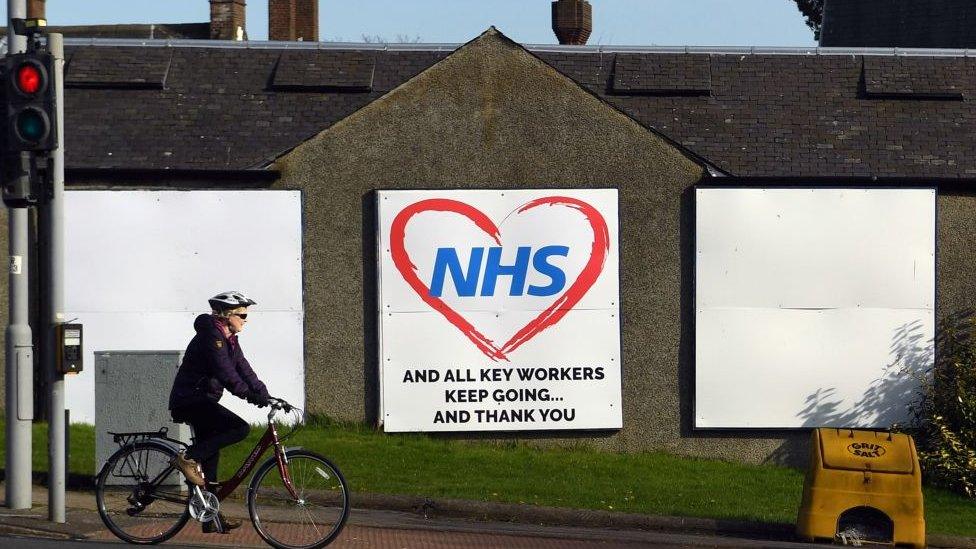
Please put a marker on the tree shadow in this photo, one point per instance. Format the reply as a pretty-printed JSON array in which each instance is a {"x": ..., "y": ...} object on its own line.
[{"x": 886, "y": 402}]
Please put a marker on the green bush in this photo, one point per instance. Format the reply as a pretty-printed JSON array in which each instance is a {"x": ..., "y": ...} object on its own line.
[{"x": 944, "y": 414}]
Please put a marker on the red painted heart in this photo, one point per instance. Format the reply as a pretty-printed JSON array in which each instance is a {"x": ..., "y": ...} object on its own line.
[{"x": 550, "y": 316}]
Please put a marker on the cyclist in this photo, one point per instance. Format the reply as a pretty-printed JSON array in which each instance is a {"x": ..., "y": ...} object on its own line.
[{"x": 213, "y": 362}]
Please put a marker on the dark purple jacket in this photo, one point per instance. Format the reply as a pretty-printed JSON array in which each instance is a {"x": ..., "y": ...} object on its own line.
[{"x": 211, "y": 364}]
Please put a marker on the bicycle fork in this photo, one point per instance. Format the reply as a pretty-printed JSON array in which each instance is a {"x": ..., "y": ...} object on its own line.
[{"x": 282, "y": 457}]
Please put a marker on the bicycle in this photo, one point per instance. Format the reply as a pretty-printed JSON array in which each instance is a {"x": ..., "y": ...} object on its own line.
[{"x": 143, "y": 499}]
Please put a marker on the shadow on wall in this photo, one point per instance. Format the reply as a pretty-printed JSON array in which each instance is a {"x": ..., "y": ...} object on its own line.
[
  {"x": 885, "y": 401},
  {"x": 686, "y": 341},
  {"x": 370, "y": 331}
]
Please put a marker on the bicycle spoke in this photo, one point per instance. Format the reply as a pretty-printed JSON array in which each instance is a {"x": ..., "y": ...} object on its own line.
[
  {"x": 302, "y": 474},
  {"x": 312, "y": 521}
]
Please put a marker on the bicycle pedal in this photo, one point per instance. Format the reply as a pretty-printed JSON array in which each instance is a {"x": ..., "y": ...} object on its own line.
[{"x": 214, "y": 526}]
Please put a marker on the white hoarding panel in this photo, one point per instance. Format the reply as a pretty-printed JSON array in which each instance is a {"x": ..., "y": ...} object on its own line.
[
  {"x": 499, "y": 310},
  {"x": 813, "y": 306},
  {"x": 140, "y": 265}
]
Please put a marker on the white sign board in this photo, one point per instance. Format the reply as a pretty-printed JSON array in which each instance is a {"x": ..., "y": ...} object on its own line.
[
  {"x": 813, "y": 307},
  {"x": 499, "y": 310},
  {"x": 140, "y": 266}
]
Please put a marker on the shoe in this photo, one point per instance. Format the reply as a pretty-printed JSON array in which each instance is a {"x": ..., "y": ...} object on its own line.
[
  {"x": 228, "y": 524},
  {"x": 189, "y": 468}
]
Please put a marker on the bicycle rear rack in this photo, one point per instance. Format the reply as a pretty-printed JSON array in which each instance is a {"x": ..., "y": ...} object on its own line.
[{"x": 124, "y": 439}]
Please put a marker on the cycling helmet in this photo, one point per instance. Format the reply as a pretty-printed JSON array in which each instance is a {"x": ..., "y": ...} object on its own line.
[{"x": 229, "y": 300}]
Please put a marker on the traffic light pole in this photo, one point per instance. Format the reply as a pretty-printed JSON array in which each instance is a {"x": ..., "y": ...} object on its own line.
[
  {"x": 19, "y": 349},
  {"x": 51, "y": 229}
]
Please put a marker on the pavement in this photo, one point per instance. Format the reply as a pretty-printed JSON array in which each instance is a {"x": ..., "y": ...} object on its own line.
[{"x": 383, "y": 520}]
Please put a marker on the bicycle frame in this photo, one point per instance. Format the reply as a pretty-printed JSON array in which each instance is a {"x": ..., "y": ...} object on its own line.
[{"x": 270, "y": 439}]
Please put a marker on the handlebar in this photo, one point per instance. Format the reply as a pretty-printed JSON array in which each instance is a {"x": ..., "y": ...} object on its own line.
[
  {"x": 280, "y": 404},
  {"x": 277, "y": 404}
]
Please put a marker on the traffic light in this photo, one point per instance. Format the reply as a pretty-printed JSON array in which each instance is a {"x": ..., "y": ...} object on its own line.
[{"x": 30, "y": 102}]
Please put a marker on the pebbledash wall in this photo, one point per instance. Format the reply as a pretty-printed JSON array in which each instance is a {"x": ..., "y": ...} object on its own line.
[{"x": 494, "y": 116}]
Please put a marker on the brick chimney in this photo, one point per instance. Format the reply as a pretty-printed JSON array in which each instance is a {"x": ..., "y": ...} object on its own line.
[
  {"x": 35, "y": 9},
  {"x": 293, "y": 20},
  {"x": 227, "y": 20},
  {"x": 572, "y": 21}
]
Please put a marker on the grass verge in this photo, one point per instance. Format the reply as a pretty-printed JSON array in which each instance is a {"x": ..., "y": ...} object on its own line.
[{"x": 512, "y": 472}]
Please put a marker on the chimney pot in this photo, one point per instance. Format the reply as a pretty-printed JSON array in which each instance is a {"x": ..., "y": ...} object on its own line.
[
  {"x": 35, "y": 9},
  {"x": 572, "y": 21}
]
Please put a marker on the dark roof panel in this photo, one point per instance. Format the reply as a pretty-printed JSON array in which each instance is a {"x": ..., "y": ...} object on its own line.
[
  {"x": 913, "y": 77},
  {"x": 324, "y": 70},
  {"x": 664, "y": 74},
  {"x": 130, "y": 67},
  {"x": 899, "y": 23}
]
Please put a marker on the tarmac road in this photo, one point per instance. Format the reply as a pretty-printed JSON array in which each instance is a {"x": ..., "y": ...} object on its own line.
[
  {"x": 15, "y": 542},
  {"x": 383, "y": 538},
  {"x": 379, "y": 530}
]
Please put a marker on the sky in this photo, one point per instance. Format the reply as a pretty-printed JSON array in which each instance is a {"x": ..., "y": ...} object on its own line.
[{"x": 615, "y": 22}]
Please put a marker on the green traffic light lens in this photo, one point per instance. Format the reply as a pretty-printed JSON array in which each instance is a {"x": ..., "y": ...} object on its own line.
[{"x": 31, "y": 125}]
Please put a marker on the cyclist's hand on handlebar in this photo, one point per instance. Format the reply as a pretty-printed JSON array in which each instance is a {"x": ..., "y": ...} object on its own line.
[{"x": 258, "y": 399}]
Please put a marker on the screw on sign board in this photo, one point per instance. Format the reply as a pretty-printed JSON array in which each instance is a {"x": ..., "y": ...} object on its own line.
[{"x": 499, "y": 310}]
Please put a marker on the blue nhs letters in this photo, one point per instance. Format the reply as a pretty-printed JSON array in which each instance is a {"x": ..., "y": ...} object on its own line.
[{"x": 466, "y": 283}]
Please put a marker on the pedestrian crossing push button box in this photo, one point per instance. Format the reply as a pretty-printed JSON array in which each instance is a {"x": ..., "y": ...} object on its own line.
[
  {"x": 69, "y": 349},
  {"x": 865, "y": 485}
]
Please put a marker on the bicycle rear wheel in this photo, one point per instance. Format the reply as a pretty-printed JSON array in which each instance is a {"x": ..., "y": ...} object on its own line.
[
  {"x": 140, "y": 497},
  {"x": 312, "y": 520}
]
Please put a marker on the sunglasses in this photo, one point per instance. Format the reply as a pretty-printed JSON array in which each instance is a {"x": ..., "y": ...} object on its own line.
[{"x": 242, "y": 316}]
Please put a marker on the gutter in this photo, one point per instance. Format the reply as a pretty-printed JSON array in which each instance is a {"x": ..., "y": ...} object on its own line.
[
  {"x": 166, "y": 177},
  {"x": 967, "y": 184},
  {"x": 555, "y": 48}
]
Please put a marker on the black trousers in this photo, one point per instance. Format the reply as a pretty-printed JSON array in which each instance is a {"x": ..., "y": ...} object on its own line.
[{"x": 214, "y": 427}]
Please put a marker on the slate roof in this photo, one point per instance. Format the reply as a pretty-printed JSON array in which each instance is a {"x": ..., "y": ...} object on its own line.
[
  {"x": 902, "y": 23},
  {"x": 754, "y": 114}
]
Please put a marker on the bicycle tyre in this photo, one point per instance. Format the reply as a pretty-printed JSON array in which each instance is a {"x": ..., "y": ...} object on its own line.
[
  {"x": 131, "y": 467},
  {"x": 280, "y": 520}
]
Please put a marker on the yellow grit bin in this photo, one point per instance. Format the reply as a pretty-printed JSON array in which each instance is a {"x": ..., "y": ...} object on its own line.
[{"x": 857, "y": 478}]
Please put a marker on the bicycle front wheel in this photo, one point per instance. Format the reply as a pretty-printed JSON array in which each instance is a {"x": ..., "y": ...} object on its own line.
[
  {"x": 313, "y": 519},
  {"x": 139, "y": 495}
]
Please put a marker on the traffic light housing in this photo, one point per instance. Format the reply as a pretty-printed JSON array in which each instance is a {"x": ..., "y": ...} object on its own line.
[
  {"x": 19, "y": 173},
  {"x": 30, "y": 102}
]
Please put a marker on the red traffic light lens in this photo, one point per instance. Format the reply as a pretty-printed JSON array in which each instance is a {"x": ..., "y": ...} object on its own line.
[{"x": 28, "y": 79}]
